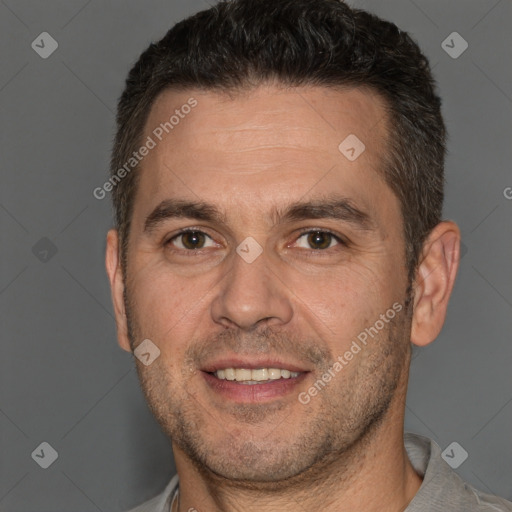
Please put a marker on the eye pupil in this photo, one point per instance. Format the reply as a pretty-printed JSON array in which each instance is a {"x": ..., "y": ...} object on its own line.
[
  {"x": 195, "y": 238},
  {"x": 319, "y": 238}
]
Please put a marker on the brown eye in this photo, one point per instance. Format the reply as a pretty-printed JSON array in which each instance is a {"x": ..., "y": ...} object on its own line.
[
  {"x": 318, "y": 240},
  {"x": 190, "y": 240}
]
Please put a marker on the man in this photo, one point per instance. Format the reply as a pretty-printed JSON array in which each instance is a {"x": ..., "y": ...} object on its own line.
[{"x": 277, "y": 177}]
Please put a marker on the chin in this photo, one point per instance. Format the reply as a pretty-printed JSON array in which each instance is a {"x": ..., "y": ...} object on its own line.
[{"x": 250, "y": 463}]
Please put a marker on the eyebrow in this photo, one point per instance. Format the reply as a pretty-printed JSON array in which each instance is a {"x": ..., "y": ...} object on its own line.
[{"x": 331, "y": 207}]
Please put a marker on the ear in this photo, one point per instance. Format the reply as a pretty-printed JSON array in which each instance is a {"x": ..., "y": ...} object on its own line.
[
  {"x": 113, "y": 265},
  {"x": 434, "y": 282}
]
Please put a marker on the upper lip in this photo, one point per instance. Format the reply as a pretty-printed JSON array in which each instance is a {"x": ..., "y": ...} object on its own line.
[{"x": 251, "y": 363}]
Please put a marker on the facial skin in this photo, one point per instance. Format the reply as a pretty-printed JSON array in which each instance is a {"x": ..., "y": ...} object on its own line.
[{"x": 300, "y": 306}]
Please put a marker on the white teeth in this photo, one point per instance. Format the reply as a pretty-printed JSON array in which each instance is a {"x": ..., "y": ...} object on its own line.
[
  {"x": 274, "y": 373},
  {"x": 242, "y": 374},
  {"x": 247, "y": 376},
  {"x": 258, "y": 375},
  {"x": 229, "y": 374}
]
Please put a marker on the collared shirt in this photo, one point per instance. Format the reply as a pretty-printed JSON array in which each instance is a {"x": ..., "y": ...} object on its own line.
[{"x": 442, "y": 490}]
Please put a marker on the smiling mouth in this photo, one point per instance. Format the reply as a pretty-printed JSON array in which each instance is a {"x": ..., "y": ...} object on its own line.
[
  {"x": 254, "y": 376},
  {"x": 256, "y": 384}
]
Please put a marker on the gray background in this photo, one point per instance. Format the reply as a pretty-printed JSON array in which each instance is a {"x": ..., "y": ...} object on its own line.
[{"x": 63, "y": 378}]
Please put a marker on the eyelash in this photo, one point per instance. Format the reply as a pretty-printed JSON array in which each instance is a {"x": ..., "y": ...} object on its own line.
[{"x": 302, "y": 232}]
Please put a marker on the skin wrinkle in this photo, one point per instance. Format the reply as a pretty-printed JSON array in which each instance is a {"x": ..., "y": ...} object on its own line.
[{"x": 305, "y": 310}]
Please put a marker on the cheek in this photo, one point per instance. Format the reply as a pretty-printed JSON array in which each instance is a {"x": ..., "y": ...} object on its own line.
[
  {"x": 340, "y": 304},
  {"x": 165, "y": 306}
]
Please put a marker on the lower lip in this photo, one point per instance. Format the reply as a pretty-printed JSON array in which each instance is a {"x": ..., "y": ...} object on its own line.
[{"x": 266, "y": 391}]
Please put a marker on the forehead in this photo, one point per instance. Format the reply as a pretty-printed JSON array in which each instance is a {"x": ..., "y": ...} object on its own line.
[
  {"x": 267, "y": 144},
  {"x": 315, "y": 118}
]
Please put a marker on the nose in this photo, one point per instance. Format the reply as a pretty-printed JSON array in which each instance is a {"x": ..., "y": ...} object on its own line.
[{"x": 251, "y": 294}]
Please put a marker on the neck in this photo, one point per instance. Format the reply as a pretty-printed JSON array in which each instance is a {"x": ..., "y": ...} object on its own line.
[{"x": 374, "y": 474}]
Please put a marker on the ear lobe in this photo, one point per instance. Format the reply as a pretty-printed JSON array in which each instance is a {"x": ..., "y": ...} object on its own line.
[
  {"x": 115, "y": 275},
  {"x": 435, "y": 278}
]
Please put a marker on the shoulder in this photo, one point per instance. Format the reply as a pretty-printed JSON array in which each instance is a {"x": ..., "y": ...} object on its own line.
[
  {"x": 442, "y": 489},
  {"x": 489, "y": 502},
  {"x": 161, "y": 502}
]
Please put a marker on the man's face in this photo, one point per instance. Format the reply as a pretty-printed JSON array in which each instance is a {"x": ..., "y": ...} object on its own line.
[{"x": 296, "y": 306}]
